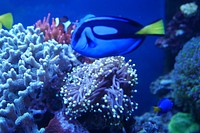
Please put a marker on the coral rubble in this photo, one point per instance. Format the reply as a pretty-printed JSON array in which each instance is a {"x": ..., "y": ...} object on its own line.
[
  {"x": 152, "y": 123},
  {"x": 61, "y": 124}
]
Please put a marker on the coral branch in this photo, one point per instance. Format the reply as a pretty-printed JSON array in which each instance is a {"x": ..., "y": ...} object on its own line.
[{"x": 51, "y": 31}]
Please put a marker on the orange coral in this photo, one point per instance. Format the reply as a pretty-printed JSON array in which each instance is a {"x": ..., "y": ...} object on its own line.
[{"x": 54, "y": 32}]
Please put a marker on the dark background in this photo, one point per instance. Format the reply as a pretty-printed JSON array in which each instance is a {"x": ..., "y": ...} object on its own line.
[{"x": 148, "y": 58}]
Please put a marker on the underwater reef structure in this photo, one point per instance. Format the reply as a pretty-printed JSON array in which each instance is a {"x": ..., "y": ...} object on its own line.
[
  {"x": 151, "y": 123},
  {"x": 183, "y": 26},
  {"x": 43, "y": 85},
  {"x": 182, "y": 84},
  {"x": 187, "y": 77},
  {"x": 28, "y": 66},
  {"x": 61, "y": 124},
  {"x": 182, "y": 23}
]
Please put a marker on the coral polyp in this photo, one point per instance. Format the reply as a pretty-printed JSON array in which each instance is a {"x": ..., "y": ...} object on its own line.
[{"x": 104, "y": 87}]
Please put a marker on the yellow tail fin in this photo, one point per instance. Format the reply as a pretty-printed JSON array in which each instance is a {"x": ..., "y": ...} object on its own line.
[
  {"x": 156, "y": 109},
  {"x": 156, "y": 28},
  {"x": 7, "y": 20}
]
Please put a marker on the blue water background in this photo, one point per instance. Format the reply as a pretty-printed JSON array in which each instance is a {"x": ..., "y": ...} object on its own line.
[{"x": 148, "y": 58}]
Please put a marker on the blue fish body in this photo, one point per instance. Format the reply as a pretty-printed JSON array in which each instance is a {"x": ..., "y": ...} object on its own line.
[
  {"x": 106, "y": 36},
  {"x": 164, "y": 106}
]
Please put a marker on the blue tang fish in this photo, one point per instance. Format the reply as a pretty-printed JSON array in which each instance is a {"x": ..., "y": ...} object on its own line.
[
  {"x": 111, "y": 36},
  {"x": 164, "y": 106}
]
